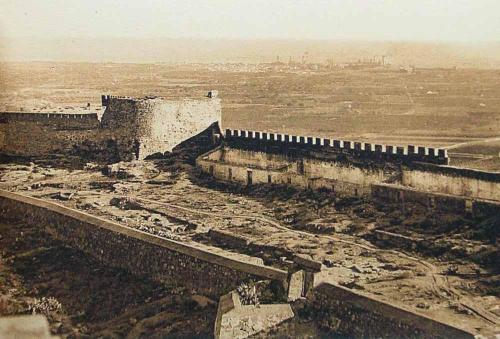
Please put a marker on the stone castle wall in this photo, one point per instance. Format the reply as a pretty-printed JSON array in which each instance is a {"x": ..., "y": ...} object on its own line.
[
  {"x": 250, "y": 157},
  {"x": 351, "y": 313},
  {"x": 143, "y": 127},
  {"x": 453, "y": 180},
  {"x": 157, "y": 125},
  {"x": 167, "y": 261},
  {"x": 345, "y": 311},
  {"x": 132, "y": 128},
  {"x": 444, "y": 187},
  {"x": 237, "y": 165},
  {"x": 34, "y": 134},
  {"x": 330, "y": 148}
]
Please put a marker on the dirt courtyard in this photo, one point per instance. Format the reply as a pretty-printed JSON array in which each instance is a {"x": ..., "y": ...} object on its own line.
[{"x": 452, "y": 276}]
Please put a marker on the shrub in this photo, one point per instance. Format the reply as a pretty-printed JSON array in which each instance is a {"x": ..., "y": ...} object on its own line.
[{"x": 45, "y": 306}]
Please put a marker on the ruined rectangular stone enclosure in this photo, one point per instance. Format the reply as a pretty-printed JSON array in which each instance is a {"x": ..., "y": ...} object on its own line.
[{"x": 212, "y": 274}]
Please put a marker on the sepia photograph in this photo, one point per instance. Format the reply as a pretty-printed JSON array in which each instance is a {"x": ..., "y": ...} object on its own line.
[{"x": 249, "y": 169}]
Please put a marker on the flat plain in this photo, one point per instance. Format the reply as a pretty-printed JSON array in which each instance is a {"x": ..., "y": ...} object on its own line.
[{"x": 434, "y": 107}]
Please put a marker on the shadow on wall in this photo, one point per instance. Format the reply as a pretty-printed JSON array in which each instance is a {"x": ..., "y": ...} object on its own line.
[
  {"x": 137, "y": 127},
  {"x": 102, "y": 151},
  {"x": 188, "y": 150}
]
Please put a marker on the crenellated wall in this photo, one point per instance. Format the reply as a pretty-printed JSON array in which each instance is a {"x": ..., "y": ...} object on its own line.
[
  {"x": 249, "y": 157},
  {"x": 323, "y": 147},
  {"x": 60, "y": 120}
]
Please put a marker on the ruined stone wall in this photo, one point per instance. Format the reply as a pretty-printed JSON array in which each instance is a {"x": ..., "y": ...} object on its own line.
[
  {"x": 453, "y": 180},
  {"x": 234, "y": 165},
  {"x": 435, "y": 201},
  {"x": 35, "y": 134},
  {"x": 155, "y": 125},
  {"x": 344, "y": 311},
  {"x": 167, "y": 261},
  {"x": 131, "y": 128},
  {"x": 353, "y": 314}
]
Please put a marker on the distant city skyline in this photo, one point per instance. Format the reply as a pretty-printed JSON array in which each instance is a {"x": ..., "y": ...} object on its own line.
[
  {"x": 426, "y": 32},
  {"x": 382, "y": 20}
]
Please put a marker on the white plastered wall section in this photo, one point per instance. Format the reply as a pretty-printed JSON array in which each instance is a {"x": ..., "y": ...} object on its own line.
[{"x": 451, "y": 184}]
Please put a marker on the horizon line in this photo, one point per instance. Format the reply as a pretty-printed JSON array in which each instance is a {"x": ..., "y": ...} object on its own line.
[{"x": 354, "y": 40}]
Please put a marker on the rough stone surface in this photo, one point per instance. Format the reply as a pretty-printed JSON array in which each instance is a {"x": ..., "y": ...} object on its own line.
[
  {"x": 228, "y": 164},
  {"x": 353, "y": 314},
  {"x": 453, "y": 180},
  {"x": 235, "y": 320},
  {"x": 34, "y": 134},
  {"x": 296, "y": 286},
  {"x": 162, "y": 260},
  {"x": 130, "y": 128},
  {"x": 154, "y": 125}
]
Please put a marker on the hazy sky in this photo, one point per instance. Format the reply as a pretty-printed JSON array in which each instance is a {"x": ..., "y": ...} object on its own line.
[{"x": 424, "y": 20}]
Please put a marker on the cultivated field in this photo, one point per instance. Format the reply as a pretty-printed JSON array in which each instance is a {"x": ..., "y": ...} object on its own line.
[{"x": 440, "y": 107}]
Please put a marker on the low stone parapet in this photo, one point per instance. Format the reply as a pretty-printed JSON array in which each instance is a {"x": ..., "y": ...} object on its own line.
[
  {"x": 163, "y": 260},
  {"x": 354, "y": 314}
]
